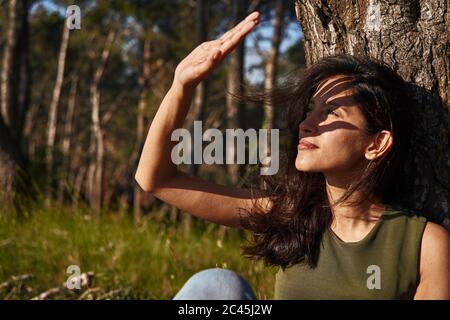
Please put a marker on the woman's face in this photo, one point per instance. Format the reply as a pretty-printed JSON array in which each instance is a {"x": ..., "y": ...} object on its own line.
[{"x": 334, "y": 124}]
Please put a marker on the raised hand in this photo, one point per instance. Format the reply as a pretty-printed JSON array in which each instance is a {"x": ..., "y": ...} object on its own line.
[{"x": 203, "y": 59}]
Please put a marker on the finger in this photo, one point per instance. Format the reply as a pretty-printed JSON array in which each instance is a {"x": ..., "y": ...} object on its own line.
[
  {"x": 250, "y": 20},
  {"x": 251, "y": 17},
  {"x": 234, "y": 40}
]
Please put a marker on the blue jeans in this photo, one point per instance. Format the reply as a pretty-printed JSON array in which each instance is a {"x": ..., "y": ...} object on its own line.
[{"x": 215, "y": 284}]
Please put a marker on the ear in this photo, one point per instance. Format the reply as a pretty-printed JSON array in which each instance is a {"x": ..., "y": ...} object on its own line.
[{"x": 381, "y": 144}]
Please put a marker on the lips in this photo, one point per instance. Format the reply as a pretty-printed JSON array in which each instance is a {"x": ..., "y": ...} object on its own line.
[{"x": 304, "y": 144}]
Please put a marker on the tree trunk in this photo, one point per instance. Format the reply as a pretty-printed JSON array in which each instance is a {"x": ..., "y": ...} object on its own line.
[
  {"x": 14, "y": 100},
  {"x": 234, "y": 81},
  {"x": 271, "y": 64},
  {"x": 10, "y": 159},
  {"x": 15, "y": 74},
  {"x": 66, "y": 141},
  {"x": 7, "y": 151},
  {"x": 24, "y": 83},
  {"x": 143, "y": 84},
  {"x": 95, "y": 172},
  {"x": 77, "y": 168},
  {"x": 53, "y": 111},
  {"x": 8, "y": 73},
  {"x": 410, "y": 36},
  {"x": 235, "y": 110},
  {"x": 196, "y": 112},
  {"x": 28, "y": 130},
  {"x": 77, "y": 185},
  {"x": 270, "y": 73}
]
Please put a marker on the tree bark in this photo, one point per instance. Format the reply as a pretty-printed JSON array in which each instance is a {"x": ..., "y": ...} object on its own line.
[
  {"x": 53, "y": 111},
  {"x": 95, "y": 172},
  {"x": 412, "y": 37}
]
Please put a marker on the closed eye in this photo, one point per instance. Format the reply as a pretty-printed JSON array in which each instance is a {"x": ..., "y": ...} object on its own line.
[{"x": 327, "y": 110}]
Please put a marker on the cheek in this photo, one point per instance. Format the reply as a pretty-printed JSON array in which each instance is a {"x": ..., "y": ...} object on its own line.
[
  {"x": 338, "y": 150},
  {"x": 343, "y": 145}
]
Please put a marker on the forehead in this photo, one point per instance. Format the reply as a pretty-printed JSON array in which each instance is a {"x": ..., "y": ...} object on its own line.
[
  {"x": 338, "y": 89},
  {"x": 335, "y": 85}
]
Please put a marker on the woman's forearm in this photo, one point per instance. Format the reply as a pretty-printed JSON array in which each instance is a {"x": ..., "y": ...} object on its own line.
[{"x": 155, "y": 164}]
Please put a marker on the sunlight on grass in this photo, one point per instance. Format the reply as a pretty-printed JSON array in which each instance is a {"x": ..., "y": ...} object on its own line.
[{"x": 147, "y": 261}]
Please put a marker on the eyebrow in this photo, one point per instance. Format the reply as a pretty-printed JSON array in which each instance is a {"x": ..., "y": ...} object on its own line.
[{"x": 315, "y": 100}]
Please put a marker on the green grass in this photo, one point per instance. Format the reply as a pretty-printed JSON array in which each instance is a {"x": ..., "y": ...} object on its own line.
[{"x": 151, "y": 260}]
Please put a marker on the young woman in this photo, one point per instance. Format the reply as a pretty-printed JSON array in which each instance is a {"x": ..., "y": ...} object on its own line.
[{"x": 332, "y": 218}]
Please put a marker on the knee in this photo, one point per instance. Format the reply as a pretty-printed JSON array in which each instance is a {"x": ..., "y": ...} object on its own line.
[
  {"x": 216, "y": 283},
  {"x": 216, "y": 274}
]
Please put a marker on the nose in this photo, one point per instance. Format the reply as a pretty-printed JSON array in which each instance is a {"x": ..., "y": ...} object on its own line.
[{"x": 308, "y": 125}]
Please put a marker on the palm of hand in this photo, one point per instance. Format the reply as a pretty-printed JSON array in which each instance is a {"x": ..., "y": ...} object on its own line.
[{"x": 204, "y": 58}]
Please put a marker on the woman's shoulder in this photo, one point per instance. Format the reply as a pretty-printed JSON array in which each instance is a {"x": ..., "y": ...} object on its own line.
[
  {"x": 430, "y": 246},
  {"x": 435, "y": 240},
  {"x": 405, "y": 225},
  {"x": 430, "y": 234},
  {"x": 434, "y": 263},
  {"x": 435, "y": 245},
  {"x": 435, "y": 237},
  {"x": 399, "y": 213}
]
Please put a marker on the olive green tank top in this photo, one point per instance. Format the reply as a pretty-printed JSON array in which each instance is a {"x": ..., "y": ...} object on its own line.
[{"x": 383, "y": 265}]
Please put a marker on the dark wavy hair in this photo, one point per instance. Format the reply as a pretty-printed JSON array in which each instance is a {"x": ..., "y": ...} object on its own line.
[{"x": 291, "y": 231}]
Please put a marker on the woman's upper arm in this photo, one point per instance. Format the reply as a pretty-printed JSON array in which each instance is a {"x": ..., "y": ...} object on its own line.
[
  {"x": 434, "y": 264},
  {"x": 209, "y": 201}
]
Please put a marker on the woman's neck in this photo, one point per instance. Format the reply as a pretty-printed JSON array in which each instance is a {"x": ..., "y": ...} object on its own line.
[{"x": 348, "y": 217}]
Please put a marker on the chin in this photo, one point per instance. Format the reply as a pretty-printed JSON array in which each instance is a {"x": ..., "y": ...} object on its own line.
[{"x": 306, "y": 167}]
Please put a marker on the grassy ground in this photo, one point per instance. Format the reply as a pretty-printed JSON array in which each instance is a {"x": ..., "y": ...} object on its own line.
[{"x": 147, "y": 261}]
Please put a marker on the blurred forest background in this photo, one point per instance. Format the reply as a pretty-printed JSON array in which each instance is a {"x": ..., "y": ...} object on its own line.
[{"x": 75, "y": 108}]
